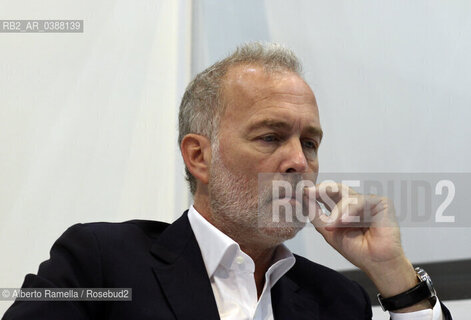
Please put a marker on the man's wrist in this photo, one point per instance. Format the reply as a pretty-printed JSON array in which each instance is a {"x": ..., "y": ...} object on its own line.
[{"x": 396, "y": 277}]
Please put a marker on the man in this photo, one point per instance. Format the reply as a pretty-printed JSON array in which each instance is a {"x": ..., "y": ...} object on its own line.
[{"x": 250, "y": 113}]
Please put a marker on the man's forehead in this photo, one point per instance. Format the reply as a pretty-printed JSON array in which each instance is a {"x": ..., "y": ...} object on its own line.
[
  {"x": 252, "y": 80},
  {"x": 251, "y": 95}
]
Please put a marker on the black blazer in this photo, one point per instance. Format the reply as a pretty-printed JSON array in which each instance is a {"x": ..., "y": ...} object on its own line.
[{"x": 162, "y": 263}]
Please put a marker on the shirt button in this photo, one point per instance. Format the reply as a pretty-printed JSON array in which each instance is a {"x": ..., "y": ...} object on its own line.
[{"x": 239, "y": 260}]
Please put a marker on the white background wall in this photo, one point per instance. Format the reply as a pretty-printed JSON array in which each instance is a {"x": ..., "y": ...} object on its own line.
[
  {"x": 88, "y": 124},
  {"x": 88, "y": 121}
]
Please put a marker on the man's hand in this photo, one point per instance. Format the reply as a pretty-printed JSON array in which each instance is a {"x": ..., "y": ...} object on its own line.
[{"x": 363, "y": 228}]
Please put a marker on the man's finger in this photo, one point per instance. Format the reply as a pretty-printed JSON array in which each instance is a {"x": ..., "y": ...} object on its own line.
[{"x": 330, "y": 193}]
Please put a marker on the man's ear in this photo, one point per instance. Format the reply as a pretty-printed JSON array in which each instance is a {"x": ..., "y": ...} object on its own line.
[{"x": 196, "y": 152}]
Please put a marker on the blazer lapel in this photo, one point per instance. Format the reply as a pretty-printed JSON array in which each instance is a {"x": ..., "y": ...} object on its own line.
[
  {"x": 289, "y": 302},
  {"x": 181, "y": 273}
]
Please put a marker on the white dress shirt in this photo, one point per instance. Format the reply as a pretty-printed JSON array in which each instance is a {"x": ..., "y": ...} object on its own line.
[{"x": 231, "y": 273}]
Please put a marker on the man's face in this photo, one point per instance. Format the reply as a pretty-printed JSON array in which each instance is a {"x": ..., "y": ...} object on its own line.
[{"x": 271, "y": 124}]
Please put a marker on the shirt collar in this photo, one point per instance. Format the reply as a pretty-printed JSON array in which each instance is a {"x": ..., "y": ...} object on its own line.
[
  {"x": 219, "y": 249},
  {"x": 216, "y": 247}
]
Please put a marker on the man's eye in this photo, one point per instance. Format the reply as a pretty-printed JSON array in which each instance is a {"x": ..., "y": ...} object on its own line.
[
  {"x": 309, "y": 144},
  {"x": 269, "y": 138}
]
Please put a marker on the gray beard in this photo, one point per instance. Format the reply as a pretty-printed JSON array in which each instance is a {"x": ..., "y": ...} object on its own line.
[{"x": 234, "y": 202}]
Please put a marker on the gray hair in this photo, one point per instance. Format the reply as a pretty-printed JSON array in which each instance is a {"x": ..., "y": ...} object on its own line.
[{"x": 202, "y": 106}]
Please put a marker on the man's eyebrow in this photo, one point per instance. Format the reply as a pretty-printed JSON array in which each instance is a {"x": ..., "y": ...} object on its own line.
[
  {"x": 315, "y": 131},
  {"x": 281, "y": 125},
  {"x": 269, "y": 123}
]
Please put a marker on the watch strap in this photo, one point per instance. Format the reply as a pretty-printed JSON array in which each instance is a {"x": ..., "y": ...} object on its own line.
[{"x": 406, "y": 299}]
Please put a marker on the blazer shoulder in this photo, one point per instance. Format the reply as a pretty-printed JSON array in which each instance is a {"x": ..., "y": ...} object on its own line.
[{"x": 148, "y": 228}]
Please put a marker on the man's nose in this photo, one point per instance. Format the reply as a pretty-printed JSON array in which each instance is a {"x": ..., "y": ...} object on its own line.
[{"x": 294, "y": 159}]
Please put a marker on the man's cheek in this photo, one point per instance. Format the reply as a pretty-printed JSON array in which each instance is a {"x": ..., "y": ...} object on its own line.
[{"x": 315, "y": 166}]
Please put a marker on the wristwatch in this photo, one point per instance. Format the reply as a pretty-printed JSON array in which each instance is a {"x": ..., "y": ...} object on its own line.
[{"x": 424, "y": 290}]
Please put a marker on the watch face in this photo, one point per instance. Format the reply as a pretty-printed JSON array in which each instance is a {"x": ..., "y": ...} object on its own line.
[
  {"x": 424, "y": 277},
  {"x": 430, "y": 286}
]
